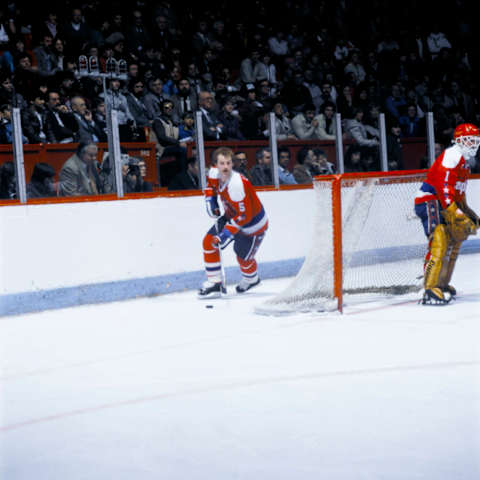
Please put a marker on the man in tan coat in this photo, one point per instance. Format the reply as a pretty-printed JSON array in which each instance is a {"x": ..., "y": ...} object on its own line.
[{"x": 79, "y": 175}]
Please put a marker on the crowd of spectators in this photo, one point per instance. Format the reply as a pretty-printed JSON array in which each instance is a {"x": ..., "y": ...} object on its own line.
[{"x": 303, "y": 61}]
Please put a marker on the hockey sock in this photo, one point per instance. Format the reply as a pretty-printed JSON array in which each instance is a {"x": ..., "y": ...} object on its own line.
[
  {"x": 248, "y": 269},
  {"x": 211, "y": 258}
]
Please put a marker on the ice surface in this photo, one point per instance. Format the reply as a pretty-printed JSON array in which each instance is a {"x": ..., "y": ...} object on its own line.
[{"x": 165, "y": 388}]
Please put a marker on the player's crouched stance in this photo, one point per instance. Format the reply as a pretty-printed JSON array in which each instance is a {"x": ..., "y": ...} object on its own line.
[
  {"x": 447, "y": 219},
  {"x": 244, "y": 222}
]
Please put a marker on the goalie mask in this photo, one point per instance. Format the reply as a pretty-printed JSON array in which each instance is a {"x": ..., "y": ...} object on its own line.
[{"x": 467, "y": 137}]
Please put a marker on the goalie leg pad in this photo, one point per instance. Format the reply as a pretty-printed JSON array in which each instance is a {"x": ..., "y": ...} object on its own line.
[
  {"x": 435, "y": 257},
  {"x": 448, "y": 267}
]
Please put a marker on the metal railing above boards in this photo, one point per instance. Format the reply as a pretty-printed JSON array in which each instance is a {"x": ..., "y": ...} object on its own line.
[
  {"x": 413, "y": 150},
  {"x": 275, "y": 162}
]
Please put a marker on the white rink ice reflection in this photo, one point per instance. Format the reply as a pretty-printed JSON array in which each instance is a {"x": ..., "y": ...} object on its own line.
[{"x": 165, "y": 388}]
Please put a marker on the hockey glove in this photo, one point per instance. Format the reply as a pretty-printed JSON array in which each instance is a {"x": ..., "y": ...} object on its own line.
[
  {"x": 211, "y": 202},
  {"x": 223, "y": 238},
  {"x": 470, "y": 213},
  {"x": 459, "y": 225}
]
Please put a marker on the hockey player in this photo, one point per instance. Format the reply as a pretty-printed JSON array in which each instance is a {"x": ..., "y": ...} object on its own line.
[
  {"x": 447, "y": 219},
  {"x": 244, "y": 222}
]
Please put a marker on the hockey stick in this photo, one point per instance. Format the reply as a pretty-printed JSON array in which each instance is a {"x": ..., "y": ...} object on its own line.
[{"x": 223, "y": 280}]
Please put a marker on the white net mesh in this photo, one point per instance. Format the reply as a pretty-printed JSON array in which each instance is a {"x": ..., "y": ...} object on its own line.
[{"x": 382, "y": 243}]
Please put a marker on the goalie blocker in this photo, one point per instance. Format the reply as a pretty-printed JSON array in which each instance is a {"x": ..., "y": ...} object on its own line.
[{"x": 447, "y": 219}]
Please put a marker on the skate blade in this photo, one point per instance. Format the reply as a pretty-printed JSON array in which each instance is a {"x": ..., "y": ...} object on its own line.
[
  {"x": 209, "y": 296},
  {"x": 435, "y": 303}
]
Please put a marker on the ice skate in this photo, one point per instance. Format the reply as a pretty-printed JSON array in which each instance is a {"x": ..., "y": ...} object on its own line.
[
  {"x": 436, "y": 296},
  {"x": 451, "y": 290},
  {"x": 246, "y": 284},
  {"x": 211, "y": 290}
]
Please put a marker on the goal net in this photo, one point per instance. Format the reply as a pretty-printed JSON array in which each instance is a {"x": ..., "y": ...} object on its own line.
[{"x": 367, "y": 238}]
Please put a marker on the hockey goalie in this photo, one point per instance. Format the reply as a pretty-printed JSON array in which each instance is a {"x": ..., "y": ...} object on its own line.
[{"x": 447, "y": 219}]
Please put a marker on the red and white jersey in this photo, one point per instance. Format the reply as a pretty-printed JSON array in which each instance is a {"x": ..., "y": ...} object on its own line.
[
  {"x": 446, "y": 179},
  {"x": 241, "y": 204}
]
